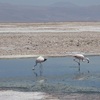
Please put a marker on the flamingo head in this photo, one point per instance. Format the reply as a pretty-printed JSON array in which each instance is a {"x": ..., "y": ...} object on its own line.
[
  {"x": 45, "y": 59},
  {"x": 87, "y": 60}
]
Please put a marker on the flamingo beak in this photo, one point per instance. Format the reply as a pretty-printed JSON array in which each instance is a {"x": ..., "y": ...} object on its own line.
[{"x": 45, "y": 59}]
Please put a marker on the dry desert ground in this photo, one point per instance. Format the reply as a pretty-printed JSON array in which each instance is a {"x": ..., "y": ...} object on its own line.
[{"x": 52, "y": 39}]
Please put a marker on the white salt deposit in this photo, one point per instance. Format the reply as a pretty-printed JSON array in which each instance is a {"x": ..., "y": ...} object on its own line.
[
  {"x": 15, "y": 95},
  {"x": 51, "y": 29}
]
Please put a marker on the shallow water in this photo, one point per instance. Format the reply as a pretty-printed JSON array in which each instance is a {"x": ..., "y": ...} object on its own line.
[{"x": 60, "y": 75}]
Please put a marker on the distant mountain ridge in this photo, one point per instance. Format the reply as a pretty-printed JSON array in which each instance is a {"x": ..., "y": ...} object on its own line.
[
  {"x": 57, "y": 12},
  {"x": 64, "y": 4}
]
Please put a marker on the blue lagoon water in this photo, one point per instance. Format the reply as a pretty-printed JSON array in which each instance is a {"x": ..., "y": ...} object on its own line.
[{"x": 57, "y": 74}]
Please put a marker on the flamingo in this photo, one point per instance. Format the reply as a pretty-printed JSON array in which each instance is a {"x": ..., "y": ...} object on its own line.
[
  {"x": 40, "y": 60},
  {"x": 80, "y": 57}
]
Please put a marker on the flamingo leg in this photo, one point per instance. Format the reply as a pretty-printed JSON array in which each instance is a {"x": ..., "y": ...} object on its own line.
[
  {"x": 34, "y": 66},
  {"x": 78, "y": 64},
  {"x": 41, "y": 69},
  {"x": 79, "y": 69},
  {"x": 77, "y": 61}
]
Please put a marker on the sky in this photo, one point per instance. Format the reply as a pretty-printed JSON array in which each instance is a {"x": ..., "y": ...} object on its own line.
[{"x": 47, "y": 2}]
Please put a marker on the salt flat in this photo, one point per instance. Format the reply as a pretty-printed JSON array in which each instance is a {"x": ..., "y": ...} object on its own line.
[
  {"x": 16, "y": 95},
  {"x": 58, "y": 27},
  {"x": 51, "y": 39}
]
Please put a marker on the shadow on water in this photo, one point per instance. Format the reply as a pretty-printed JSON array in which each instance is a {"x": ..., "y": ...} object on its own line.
[{"x": 60, "y": 75}]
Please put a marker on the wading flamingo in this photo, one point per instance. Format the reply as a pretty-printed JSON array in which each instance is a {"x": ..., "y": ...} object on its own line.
[
  {"x": 40, "y": 60},
  {"x": 80, "y": 57}
]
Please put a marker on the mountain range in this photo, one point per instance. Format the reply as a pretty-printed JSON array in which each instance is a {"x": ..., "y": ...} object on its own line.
[{"x": 56, "y": 12}]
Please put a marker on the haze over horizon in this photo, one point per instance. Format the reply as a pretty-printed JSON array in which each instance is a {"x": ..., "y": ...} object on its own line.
[
  {"x": 48, "y": 2},
  {"x": 49, "y": 11}
]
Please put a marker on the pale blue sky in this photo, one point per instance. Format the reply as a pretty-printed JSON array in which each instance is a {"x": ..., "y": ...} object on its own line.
[{"x": 47, "y": 2}]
